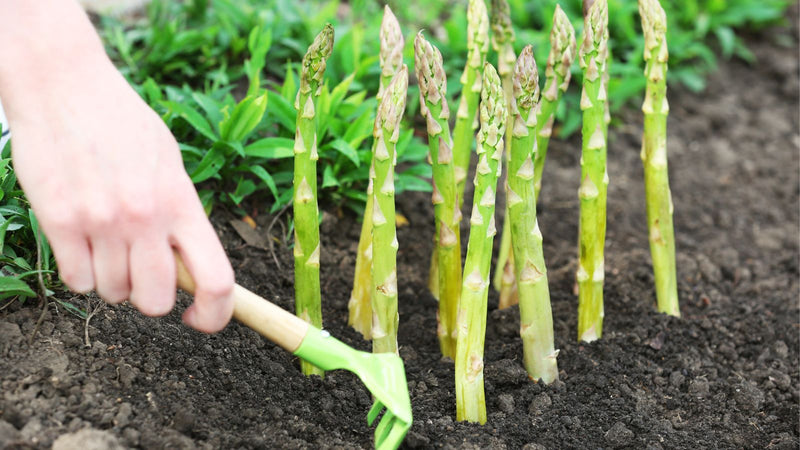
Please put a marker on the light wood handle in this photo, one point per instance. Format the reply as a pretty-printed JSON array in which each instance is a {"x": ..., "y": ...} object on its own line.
[{"x": 266, "y": 318}]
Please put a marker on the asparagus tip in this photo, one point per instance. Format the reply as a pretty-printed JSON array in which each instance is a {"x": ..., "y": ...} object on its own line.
[
  {"x": 525, "y": 80},
  {"x": 502, "y": 29},
  {"x": 392, "y": 43}
]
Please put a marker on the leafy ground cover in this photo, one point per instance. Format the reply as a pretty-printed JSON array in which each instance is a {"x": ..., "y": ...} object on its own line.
[{"x": 725, "y": 375}]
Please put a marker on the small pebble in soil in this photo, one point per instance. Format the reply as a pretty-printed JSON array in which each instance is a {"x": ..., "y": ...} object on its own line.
[
  {"x": 676, "y": 379},
  {"x": 533, "y": 446},
  {"x": 8, "y": 434},
  {"x": 699, "y": 387},
  {"x": 505, "y": 402},
  {"x": 748, "y": 397},
  {"x": 540, "y": 403},
  {"x": 619, "y": 435},
  {"x": 87, "y": 439}
]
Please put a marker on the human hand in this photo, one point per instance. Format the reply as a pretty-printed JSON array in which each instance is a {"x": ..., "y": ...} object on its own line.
[{"x": 106, "y": 181}]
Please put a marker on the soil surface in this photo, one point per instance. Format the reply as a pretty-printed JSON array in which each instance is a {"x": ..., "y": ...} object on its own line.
[{"x": 724, "y": 375}]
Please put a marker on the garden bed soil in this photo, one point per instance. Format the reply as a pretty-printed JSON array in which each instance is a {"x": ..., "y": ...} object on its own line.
[{"x": 724, "y": 375}]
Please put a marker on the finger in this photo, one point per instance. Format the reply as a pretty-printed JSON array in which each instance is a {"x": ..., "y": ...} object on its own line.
[
  {"x": 206, "y": 261},
  {"x": 74, "y": 259},
  {"x": 110, "y": 263},
  {"x": 152, "y": 276}
]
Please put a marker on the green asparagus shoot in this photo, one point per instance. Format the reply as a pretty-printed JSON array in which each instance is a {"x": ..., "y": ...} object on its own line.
[
  {"x": 536, "y": 317},
  {"x": 360, "y": 305},
  {"x": 594, "y": 176},
  {"x": 470, "y": 397},
  {"x": 306, "y": 212},
  {"x": 503, "y": 43},
  {"x": 384, "y": 234},
  {"x": 433, "y": 105},
  {"x": 562, "y": 53},
  {"x": 466, "y": 117},
  {"x": 654, "y": 156}
]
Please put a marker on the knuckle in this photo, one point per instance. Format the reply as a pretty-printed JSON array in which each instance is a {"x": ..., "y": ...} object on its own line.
[
  {"x": 139, "y": 210},
  {"x": 221, "y": 286},
  {"x": 101, "y": 216}
]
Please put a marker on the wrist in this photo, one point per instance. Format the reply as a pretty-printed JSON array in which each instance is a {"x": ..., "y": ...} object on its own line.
[{"x": 54, "y": 46}]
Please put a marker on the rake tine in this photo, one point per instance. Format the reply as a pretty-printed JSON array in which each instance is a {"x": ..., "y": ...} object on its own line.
[
  {"x": 384, "y": 427},
  {"x": 396, "y": 434},
  {"x": 376, "y": 409}
]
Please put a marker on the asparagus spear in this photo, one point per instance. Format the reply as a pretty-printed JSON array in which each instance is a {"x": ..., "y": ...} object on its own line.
[
  {"x": 594, "y": 176},
  {"x": 306, "y": 213},
  {"x": 503, "y": 43},
  {"x": 360, "y": 305},
  {"x": 536, "y": 318},
  {"x": 470, "y": 400},
  {"x": 466, "y": 118},
  {"x": 654, "y": 156},
  {"x": 433, "y": 105},
  {"x": 562, "y": 53},
  {"x": 384, "y": 233}
]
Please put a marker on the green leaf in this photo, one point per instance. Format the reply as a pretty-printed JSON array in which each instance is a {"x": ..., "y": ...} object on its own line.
[
  {"x": 211, "y": 108},
  {"x": 345, "y": 149},
  {"x": 262, "y": 173},
  {"x": 244, "y": 118},
  {"x": 10, "y": 287},
  {"x": 328, "y": 178},
  {"x": 210, "y": 164},
  {"x": 283, "y": 111},
  {"x": 271, "y": 148},
  {"x": 192, "y": 117},
  {"x": 244, "y": 188}
]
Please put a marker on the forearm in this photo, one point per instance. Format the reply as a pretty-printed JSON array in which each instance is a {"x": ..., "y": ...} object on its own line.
[{"x": 52, "y": 43}]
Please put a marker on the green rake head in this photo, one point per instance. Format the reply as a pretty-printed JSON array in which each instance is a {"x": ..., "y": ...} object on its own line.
[{"x": 382, "y": 373}]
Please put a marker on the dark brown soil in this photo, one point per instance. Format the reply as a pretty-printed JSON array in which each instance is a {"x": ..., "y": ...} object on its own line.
[{"x": 725, "y": 375}]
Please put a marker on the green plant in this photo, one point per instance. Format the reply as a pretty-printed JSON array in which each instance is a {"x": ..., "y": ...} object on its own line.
[
  {"x": 306, "y": 212},
  {"x": 433, "y": 105},
  {"x": 466, "y": 117},
  {"x": 503, "y": 38},
  {"x": 594, "y": 176},
  {"x": 360, "y": 304},
  {"x": 384, "y": 233},
  {"x": 470, "y": 397},
  {"x": 536, "y": 318},
  {"x": 25, "y": 254},
  {"x": 654, "y": 156},
  {"x": 559, "y": 63}
]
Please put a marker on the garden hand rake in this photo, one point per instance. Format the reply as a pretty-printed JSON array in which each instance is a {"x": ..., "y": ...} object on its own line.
[{"x": 382, "y": 373}]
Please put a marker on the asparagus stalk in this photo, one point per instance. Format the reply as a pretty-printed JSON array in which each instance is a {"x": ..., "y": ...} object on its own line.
[
  {"x": 503, "y": 43},
  {"x": 654, "y": 156},
  {"x": 470, "y": 399},
  {"x": 562, "y": 53},
  {"x": 433, "y": 105},
  {"x": 360, "y": 305},
  {"x": 536, "y": 318},
  {"x": 594, "y": 176},
  {"x": 384, "y": 233},
  {"x": 466, "y": 117},
  {"x": 306, "y": 213}
]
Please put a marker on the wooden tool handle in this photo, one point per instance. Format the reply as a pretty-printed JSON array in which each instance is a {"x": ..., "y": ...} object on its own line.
[{"x": 263, "y": 316}]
